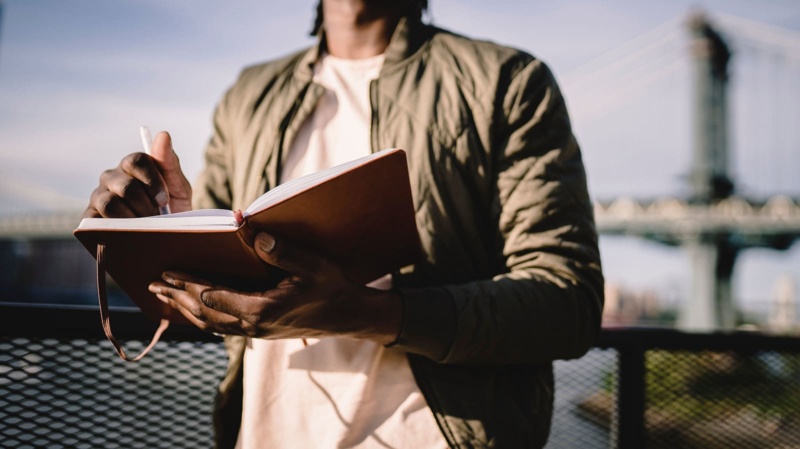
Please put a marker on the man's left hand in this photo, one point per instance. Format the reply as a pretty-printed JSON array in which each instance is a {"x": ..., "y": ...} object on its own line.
[{"x": 315, "y": 300}]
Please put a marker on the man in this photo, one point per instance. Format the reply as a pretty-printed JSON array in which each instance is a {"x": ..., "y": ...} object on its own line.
[{"x": 455, "y": 350}]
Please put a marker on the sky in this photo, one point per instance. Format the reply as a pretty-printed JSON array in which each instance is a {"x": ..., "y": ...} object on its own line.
[{"x": 77, "y": 79}]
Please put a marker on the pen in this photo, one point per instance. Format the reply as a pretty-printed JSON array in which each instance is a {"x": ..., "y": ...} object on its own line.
[{"x": 147, "y": 143}]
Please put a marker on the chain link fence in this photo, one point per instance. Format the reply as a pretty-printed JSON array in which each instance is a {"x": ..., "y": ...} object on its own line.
[{"x": 722, "y": 399}]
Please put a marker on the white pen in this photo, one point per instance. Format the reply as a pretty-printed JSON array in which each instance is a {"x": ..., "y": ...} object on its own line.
[{"x": 147, "y": 143}]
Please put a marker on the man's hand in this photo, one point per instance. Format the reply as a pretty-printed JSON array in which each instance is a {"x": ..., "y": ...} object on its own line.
[
  {"x": 314, "y": 300},
  {"x": 142, "y": 183}
]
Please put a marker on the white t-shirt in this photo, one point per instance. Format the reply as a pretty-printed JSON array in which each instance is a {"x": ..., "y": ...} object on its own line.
[{"x": 337, "y": 392}]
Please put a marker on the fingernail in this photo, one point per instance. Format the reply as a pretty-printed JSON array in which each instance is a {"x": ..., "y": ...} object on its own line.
[
  {"x": 167, "y": 277},
  {"x": 266, "y": 242},
  {"x": 162, "y": 199},
  {"x": 154, "y": 289}
]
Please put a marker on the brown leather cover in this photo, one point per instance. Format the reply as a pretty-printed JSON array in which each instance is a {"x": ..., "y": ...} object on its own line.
[{"x": 362, "y": 219}]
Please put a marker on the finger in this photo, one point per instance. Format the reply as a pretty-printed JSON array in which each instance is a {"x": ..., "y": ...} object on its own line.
[
  {"x": 143, "y": 167},
  {"x": 216, "y": 328},
  {"x": 179, "y": 296},
  {"x": 180, "y": 191},
  {"x": 132, "y": 191},
  {"x": 226, "y": 300},
  {"x": 91, "y": 212},
  {"x": 200, "y": 315},
  {"x": 289, "y": 257},
  {"x": 109, "y": 205},
  {"x": 175, "y": 305}
]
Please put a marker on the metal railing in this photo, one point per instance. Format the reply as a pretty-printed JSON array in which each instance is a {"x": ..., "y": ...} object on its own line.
[
  {"x": 61, "y": 385},
  {"x": 677, "y": 389}
]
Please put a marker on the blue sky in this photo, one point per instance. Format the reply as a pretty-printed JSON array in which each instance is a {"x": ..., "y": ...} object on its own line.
[{"x": 78, "y": 77}]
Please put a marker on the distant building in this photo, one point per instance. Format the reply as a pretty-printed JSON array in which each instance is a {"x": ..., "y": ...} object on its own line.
[
  {"x": 783, "y": 316},
  {"x": 627, "y": 307}
]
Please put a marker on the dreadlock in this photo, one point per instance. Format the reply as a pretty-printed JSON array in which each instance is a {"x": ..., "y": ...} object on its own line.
[{"x": 415, "y": 10}]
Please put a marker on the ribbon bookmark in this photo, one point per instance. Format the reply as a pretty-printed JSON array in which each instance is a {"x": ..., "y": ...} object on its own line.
[{"x": 104, "y": 318}]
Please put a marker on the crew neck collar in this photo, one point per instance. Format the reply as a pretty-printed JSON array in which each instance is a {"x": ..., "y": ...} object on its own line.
[{"x": 409, "y": 35}]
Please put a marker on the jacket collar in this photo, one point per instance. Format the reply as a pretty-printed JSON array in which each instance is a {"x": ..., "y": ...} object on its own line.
[{"x": 409, "y": 35}]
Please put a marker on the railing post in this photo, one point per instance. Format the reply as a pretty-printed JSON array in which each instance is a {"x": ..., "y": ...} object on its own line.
[{"x": 630, "y": 432}]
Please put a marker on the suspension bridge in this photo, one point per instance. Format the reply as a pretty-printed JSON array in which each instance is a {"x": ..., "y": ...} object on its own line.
[{"x": 723, "y": 211}]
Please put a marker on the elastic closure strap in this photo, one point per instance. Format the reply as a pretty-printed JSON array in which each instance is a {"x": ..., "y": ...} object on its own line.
[{"x": 104, "y": 318}]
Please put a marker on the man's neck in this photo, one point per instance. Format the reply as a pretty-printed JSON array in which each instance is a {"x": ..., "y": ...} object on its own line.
[{"x": 357, "y": 29}]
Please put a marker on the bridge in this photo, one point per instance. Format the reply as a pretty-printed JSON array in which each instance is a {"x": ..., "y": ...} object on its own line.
[
  {"x": 720, "y": 215},
  {"x": 774, "y": 223}
]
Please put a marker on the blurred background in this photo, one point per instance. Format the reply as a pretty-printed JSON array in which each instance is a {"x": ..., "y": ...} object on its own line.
[
  {"x": 78, "y": 78},
  {"x": 688, "y": 114}
]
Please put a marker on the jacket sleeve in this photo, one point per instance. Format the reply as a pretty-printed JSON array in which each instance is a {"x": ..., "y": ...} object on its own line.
[{"x": 548, "y": 303}]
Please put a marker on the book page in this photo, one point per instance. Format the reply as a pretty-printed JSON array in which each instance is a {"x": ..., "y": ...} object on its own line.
[
  {"x": 295, "y": 186},
  {"x": 204, "y": 219}
]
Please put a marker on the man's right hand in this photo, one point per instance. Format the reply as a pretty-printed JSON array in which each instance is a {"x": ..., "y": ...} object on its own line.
[{"x": 141, "y": 183}]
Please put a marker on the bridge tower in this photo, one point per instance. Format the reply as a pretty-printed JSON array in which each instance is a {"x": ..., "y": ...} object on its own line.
[
  {"x": 713, "y": 254},
  {"x": 713, "y": 251}
]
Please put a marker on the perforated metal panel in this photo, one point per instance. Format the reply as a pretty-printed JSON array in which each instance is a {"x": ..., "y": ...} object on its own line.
[
  {"x": 61, "y": 393},
  {"x": 64, "y": 393},
  {"x": 76, "y": 393}
]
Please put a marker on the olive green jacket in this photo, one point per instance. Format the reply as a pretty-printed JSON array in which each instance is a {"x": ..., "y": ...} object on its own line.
[{"x": 510, "y": 278}]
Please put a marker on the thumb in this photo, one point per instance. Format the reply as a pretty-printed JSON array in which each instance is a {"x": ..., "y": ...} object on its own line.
[
  {"x": 179, "y": 189},
  {"x": 163, "y": 153}
]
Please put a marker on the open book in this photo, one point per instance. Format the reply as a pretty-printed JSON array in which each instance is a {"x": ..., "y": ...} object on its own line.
[{"x": 358, "y": 214}]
